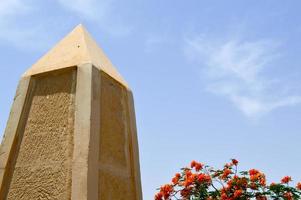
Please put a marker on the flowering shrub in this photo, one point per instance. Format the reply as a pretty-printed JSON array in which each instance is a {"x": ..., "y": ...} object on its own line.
[{"x": 200, "y": 182}]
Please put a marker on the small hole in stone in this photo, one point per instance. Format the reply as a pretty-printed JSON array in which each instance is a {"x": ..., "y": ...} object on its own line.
[{"x": 78, "y": 46}]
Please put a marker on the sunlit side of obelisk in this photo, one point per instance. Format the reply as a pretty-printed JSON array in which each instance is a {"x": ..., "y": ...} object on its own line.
[{"x": 71, "y": 133}]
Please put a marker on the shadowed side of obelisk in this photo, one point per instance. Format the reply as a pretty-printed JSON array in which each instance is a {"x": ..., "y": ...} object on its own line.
[{"x": 119, "y": 175}]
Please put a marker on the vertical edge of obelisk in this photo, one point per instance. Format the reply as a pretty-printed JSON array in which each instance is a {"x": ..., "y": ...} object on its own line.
[
  {"x": 93, "y": 164},
  {"x": 11, "y": 130},
  {"x": 135, "y": 147},
  {"x": 86, "y": 133}
]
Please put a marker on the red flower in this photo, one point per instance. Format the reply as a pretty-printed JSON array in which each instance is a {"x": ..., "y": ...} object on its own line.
[
  {"x": 185, "y": 192},
  {"x": 260, "y": 197},
  {"x": 229, "y": 183},
  {"x": 224, "y": 196},
  {"x": 272, "y": 184},
  {"x": 159, "y": 196},
  {"x": 228, "y": 165},
  {"x": 234, "y": 162},
  {"x": 243, "y": 182},
  {"x": 298, "y": 186},
  {"x": 253, "y": 186},
  {"x": 286, "y": 179},
  {"x": 288, "y": 196}
]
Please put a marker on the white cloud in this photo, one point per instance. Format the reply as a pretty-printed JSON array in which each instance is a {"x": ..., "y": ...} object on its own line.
[
  {"x": 99, "y": 12},
  {"x": 236, "y": 69},
  {"x": 154, "y": 41},
  {"x": 88, "y": 9},
  {"x": 23, "y": 23},
  {"x": 11, "y": 7},
  {"x": 14, "y": 27}
]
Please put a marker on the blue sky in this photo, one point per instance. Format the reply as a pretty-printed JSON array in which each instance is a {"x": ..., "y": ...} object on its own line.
[{"x": 212, "y": 79}]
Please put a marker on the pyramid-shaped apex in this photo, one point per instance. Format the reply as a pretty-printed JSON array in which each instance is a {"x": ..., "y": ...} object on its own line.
[{"x": 75, "y": 49}]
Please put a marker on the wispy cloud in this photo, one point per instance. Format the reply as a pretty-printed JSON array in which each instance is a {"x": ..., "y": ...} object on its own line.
[
  {"x": 11, "y": 7},
  {"x": 237, "y": 70},
  {"x": 22, "y": 29},
  {"x": 99, "y": 12},
  {"x": 154, "y": 41},
  {"x": 23, "y": 22},
  {"x": 10, "y": 12},
  {"x": 88, "y": 9}
]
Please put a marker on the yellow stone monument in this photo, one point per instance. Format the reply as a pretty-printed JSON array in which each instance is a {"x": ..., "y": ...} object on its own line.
[{"x": 71, "y": 133}]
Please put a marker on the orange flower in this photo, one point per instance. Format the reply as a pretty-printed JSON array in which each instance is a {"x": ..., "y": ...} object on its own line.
[
  {"x": 192, "y": 164},
  {"x": 176, "y": 178},
  {"x": 237, "y": 193},
  {"x": 198, "y": 166},
  {"x": 188, "y": 173},
  {"x": 204, "y": 178},
  {"x": 262, "y": 180},
  {"x": 166, "y": 190},
  {"x": 286, "y": 179},
  {"x": 254, "y": 178},
  {"x": 253, "y": 172},
  {"x": 189, "y": 179},
  {"x": 298, "y": 186},
  {"x": 244, "y": 185},
  {"x": 226, "y": 173}
]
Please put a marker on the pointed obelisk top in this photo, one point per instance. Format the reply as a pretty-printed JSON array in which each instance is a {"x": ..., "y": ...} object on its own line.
[{"x": 75, "y": 49}]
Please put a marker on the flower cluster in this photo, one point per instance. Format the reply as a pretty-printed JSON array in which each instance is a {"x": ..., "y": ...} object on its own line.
[{"x": 201, "y": 182}]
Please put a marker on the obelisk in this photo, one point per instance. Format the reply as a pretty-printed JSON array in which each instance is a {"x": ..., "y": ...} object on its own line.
[{"x": 71, "y": 133}]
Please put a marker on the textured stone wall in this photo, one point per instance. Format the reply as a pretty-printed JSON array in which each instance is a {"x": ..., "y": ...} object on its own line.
[
  {"x": 116, "y": 178},
  {"x": 44, "y": 153},
  {"x": 42, "y": 168}
]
